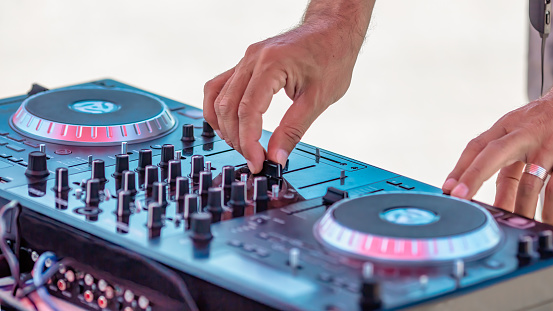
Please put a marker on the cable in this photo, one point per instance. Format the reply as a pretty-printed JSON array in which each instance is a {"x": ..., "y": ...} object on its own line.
[
  {"x": 12, "y": 260},
  {"x": 12, "y": 302},
  {"x": 39, "y": 279}
]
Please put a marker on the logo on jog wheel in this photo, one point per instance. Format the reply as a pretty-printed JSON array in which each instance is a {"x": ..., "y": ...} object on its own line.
[
  {"x": 94, "y": 106},
  {"x": 409, "y": 216}
]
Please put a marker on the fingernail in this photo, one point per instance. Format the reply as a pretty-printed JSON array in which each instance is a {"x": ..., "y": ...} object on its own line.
[
  {"x": 219, "y": 134},
  {"x": 281, "y": 156},
  {"x": 251, "y": 167},
  {"x": 460, "y": 191},
  {"x": 449, "y": 184}
]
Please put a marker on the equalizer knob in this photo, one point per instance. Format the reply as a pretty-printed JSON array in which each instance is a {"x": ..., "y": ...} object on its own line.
[
  {"x": 370, "y": 290},
  {"x": 151, "y": 177},
  {"x": 260, "y": 197},
  {"x": 237, "y": 201},
  {"x": 545, "y": 244},
  {"x": 167, "y": 154},
  {"x": 525, "y": 250},
  {"x": 99, "y": 170},
  {"x": 181, "y": 190},
  {"x": 214, "y": 207},
  {"x": 206, "y": 180},
  {"x": 144, "y": 159},
  {"x": 92, "y": 198},
  {"x": 36, "y": 166},
  {"x": 227, "y": 180},
  {"x": 121, "y": 165},
  {"x": 197, "y": 167},
  {"x": 124, "y": 199},
  {"x": 208, "y": 130},
  {"x": 62, "y": 180},
  {"x": 129, "y": 182},
  {"x": 190, "y": 207},
  {"x": 174, "y": 172},
  {"x": 187, "y": 133},
  {"x": 160, "y": 193},
  {"x": 200, "y": 226},
  {"x": 155, "y": 219}
]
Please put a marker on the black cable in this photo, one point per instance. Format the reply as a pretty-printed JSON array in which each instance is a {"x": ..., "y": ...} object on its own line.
[{"x": 13, "y": 262}]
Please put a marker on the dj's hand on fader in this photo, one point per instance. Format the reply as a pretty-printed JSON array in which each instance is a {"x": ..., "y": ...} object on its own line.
[
  {"x": 517, "y": 145},
  {"x": 312, "y": 63}
]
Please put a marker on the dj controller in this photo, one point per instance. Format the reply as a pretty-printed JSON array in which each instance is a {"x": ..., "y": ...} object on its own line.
[{"x": 152, "y": 211}]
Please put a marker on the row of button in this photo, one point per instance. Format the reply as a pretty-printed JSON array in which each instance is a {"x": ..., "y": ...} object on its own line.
[
  {"x": 250, "y": 248},
  {"x": 400, "y": 184}
]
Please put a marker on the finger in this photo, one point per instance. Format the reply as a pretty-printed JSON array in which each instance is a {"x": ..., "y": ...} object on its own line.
[
  {"x": 529, "y": 189},
  {"x": 497, "y": 154},
  {"x": 473, "y": 148},
  {"x": 227, "y": 108},
  {"x": 212, "y": 88},
  {"x": 220, "y": 124},
  {"x": 547, "y": 212},
  {"x": 256, "y": 101},
  {"x": 293, "y": 126},
  {"x": 506, "y": 186}
]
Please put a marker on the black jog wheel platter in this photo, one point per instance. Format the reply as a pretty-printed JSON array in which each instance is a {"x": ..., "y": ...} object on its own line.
[{"x": 409, "y": 227}]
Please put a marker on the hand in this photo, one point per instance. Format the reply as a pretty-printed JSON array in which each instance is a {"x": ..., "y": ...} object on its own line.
[
  {"x": 313, "y": 63},
  {"x": 522, "y": 136}
]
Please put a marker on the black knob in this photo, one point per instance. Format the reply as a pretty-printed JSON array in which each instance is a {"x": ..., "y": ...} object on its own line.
[
  {"x": 151, "y": 176},
  {"x": 129, "y": 182},
  {"x": 144, "y": 159},
  {"x": 124, "y": 199},
  {"x": 370, "y": 295},
  {"x": 525, "y": 250},
  {"x": 181, "y": 190},
  {"x": 174, "y": 171},
  {"x": 188, "y": 133},
  {"x": 155, "y": 219},
  {"x": 200, "y": 226},
  {"x": 167, "y": 154},
  {"x": 92, "y": 197},
  {"x": 36, "y": 166},
  {"x": 160, "y": 193},
  {"x": 62, "y": 180},
  {"x": 545, "y": 244},
  {"x": 206, "y": 180},
  {"x": 99, "y": 170},
  {"x": 121, "y": 164},
  {"x": 260, "y": 197},
  {"x": 190, "y": 207},
  {"x": 237, "y": 201},
  {"x": 197, "y": 167},
  {"x": 208, "y": 130},
  {"x": 227, "y": 179},
  {"x": 214, "y": 207}
]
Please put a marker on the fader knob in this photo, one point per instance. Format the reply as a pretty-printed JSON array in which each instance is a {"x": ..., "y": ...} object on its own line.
[
  {"x": 227, "y": 180},
  {"x": 237, "y": 201},
  {"x": 260, "y": 197},
  {"x": 62, "y": 180},
  {"x": 129, "y": 182},
  {"x": 197, "y": 167},
  {"x": 208, "y": 130},
  {"x": 167, "y": 154},
  {"x": 200, "y": 226},
  {"x": 151, "y": 176},
  {"x": 124, "y": 199},
  {"x": 37, "y": 165},
  {"x": 121, "y": 164},
  {"x": 99, "y": 170},
  {"x": 174, "y": 171},
  {"x": 187, "y": 133},
  {"x": 144, "y": 159},
  {"x": 214, "y": 196},
  {"x": 160, "y": 193},
  {"x": 92, "y": 192}
]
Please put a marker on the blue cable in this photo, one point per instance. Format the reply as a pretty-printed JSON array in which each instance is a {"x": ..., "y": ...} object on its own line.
[{"x": 38, "y": 279}]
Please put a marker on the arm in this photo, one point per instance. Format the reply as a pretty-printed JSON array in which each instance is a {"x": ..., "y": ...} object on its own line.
[{"x": 313, "y": 63}]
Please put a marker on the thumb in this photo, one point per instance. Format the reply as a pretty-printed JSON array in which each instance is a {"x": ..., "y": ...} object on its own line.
[{"x": 293, "y": 126}]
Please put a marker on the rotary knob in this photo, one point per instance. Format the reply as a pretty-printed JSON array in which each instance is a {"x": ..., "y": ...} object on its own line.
[
  {"x": 155, "y": 219},
  {"x": 124, "y": 199},
  {"x": 370, "y": 290},
  {"x": 174, "y": 171},
  {"x": 197, "y": 167},
  {"x": 237, "y": 200},
  {"x": 37, "y": 166},
  {"x": 525, "y": 250},
  {"x": 99, "y": 170},
  {"x": 167, "y": 154},
  {"x": 181, "y": 190},
  {"x": 121, "y": 164},
  {"x": 187, "y": 133},
  {"x": 144, "y": 159},
  {"x": 160, "y": 193},
  {"x": 190, "y": 207},
  {"x": 260, "y": 197},
  {"x": 205, "y": 183},
  {"x": 151, "y": 176},
  {"x": 92, "y": 198},
  {"x": 62, "y": 180},
  {"x": 227, "y": 180},
  {"x": 129, "y": 182},
  {"x": 214, "y": 207},
  {"x": 208, "y": 131},
  {"x": 200, "y": 226},
  {"x": 545, "y": 244}
]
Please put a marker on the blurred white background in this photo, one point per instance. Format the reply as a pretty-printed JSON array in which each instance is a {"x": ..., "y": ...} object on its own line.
[{"x": 432, "y": 74}]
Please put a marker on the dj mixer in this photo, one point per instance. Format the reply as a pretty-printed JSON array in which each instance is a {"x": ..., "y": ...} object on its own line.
[{"x": 149, "y": 210}]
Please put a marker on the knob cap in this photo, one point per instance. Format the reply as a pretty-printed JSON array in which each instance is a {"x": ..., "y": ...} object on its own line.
[
  {"x": 227, "y": 179},
  {"x": 200, "y": 226},
  {"x": 525, "y": 250},
  {"x": 160, "y": 193},
  {"x": 129, "y": 182},
  {"x": 174, "y": 171},
  {"x": 151, "y": 176},
  {"x": 208, "y": 131},
  {"x": 37, "y": 166},
  {"x": 214, "y": 207},
  {"x": 181, "y": 190},
  {"x": 92, "y": 192},
  {"x": 187, "y": 133},
  {"x": 62, "y": 180},
  {"x": 260, "y": 197},
  {"x": 121, "y": 164},
  {"x": 545, "y": 243},
  {"x": 155, "y": 219},
  {"x": 167, "y": 154},
  {"x": 124, "y": 199},
  {"x": 190, "y": 207},
  {"x": 206, "y": 180},
  {"x": 197, "y": 167},
  {"x": 237, "y": 201},
  {"x": 99, "y": 170},
  {"x": 144, "y": 159}
]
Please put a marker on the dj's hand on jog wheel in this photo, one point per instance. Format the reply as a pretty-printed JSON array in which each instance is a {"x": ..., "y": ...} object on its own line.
[{"x": 520, "y": 146}]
